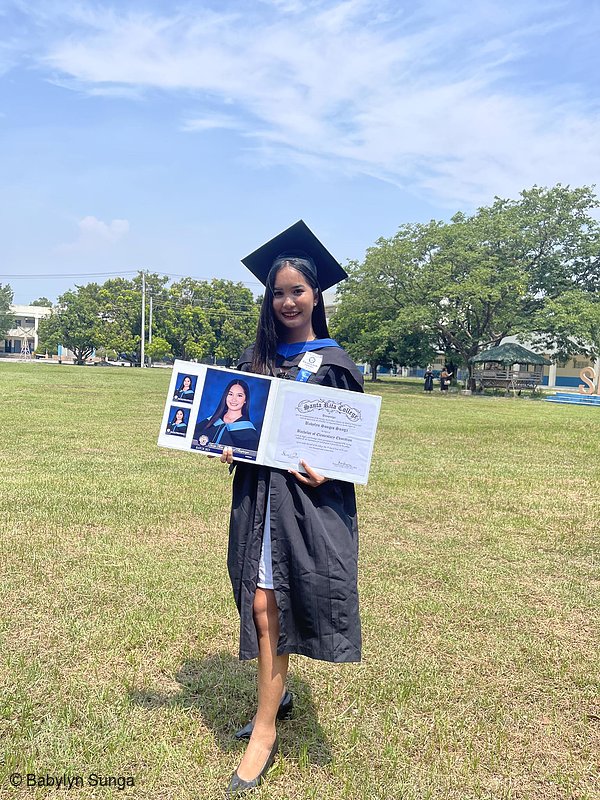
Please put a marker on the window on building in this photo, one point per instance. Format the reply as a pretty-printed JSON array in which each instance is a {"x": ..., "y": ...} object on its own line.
[
  {"x": 17, "y": 322},
  {"x": 29, "y": 321}
]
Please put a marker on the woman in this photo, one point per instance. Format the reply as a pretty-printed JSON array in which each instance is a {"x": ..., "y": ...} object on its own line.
[
  {"x": 445, "y": 380},
  {"x": 293, "y": 537},
  {"x": 230, "y": 424},
  {"x": 428, "y": 384},
  {"x": 185, "y": 391},
  {"x": 177, "y": 424}
]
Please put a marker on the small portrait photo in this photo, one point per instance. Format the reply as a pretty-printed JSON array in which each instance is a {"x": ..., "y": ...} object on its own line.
[
  {"x": 178, "y": 421},
  {"x": 231, "y": 413},
  {"x": 185, "y": 386}
]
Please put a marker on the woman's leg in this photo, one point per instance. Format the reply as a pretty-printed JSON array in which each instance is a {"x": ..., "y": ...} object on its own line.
[{"x": 272, "y": 671}]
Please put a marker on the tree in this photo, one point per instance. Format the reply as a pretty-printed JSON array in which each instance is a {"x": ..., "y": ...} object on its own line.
[
  {"x": 42, "y": 301},
  {"x": 191, "y": 319},
  {"x": 121, "y": 313},
  {"x": 361, "y": 324},
  {"x": 189, "y": 333},
  {"x": 6, "y": 318},
  {"x": 570, "y": 324},
  {"x": 75, "y": 323},
  {"x": 158, "y": 349},
  {"x": 213, "y": 319},
  {"x": 473, "y": 281},
  {"x": 553, "y": 235},
  {"x": 412, "y": 348}
]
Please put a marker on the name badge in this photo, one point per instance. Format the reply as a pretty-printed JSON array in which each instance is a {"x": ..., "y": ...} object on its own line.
[{"x": 311, "y": 362}]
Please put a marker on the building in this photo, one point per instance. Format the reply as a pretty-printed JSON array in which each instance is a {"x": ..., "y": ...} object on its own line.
[
  {"x": 25, "y": 329},
  {"x": 559, "y": 373},
  {"x": 566, "y": 373}
]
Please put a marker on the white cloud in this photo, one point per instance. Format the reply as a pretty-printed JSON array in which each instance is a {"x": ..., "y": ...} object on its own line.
[
  {"x": 94, "y": 228},
  {"x": 434, "y": 95},
  {"x": 94, "y": 233},
  {"x": 212, "y": 122}
]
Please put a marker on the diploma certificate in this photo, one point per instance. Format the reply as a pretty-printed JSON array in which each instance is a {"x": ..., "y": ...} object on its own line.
[
  {"x": 333, "y": 430},
  {"x": 271, "y": 421}
]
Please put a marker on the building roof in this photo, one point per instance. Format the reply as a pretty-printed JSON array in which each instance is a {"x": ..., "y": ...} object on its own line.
[
  {"x": 30, "y": 311},
  {"x": 509, "y": 353}
]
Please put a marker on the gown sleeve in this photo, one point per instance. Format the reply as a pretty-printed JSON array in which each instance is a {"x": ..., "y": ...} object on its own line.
[{"x": 341, "y": 378}]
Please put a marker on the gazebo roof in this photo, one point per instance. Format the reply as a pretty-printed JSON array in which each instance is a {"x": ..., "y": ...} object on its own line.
[{"x": 509, "y": 353}]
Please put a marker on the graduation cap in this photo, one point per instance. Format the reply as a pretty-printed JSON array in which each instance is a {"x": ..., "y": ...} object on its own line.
[{"x": 297, "y": 241}]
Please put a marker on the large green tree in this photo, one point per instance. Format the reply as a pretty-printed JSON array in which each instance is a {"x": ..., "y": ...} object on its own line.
[
  {"x": 121, "y": 313},
  {"x": 191, "y": 319},
  {"x": 75, "y": 323},
  {"x": 472, "y": 281},
  {"x": 210, "y": 319},
  {"x": 6, "y": 318}
]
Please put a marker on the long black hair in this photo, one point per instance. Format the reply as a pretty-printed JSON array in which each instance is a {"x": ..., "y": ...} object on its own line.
[
  {"x": 222, "y": 407},
  {"x": 269, "y": 331}
]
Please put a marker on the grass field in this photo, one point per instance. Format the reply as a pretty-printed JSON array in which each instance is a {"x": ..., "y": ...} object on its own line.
[{"x": 480, "y": 592}]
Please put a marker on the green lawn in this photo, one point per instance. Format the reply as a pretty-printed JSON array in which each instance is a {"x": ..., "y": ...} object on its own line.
[{"x": 480, "y": 589}]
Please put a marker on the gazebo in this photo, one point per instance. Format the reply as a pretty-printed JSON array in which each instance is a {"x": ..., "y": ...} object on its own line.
[{"x": 508, "y": 366}]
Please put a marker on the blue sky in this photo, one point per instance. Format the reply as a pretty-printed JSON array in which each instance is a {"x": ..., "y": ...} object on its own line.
[{"x": 178, "y": 137}]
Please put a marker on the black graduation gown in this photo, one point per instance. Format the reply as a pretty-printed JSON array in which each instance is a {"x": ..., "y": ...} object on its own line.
[
  {"x": 179, "y": 428},
  {"x": 428, "y": 382},
  {"x": 314, "y": 544},
  {"x": 246, "y": 438},
  {"x": 186, "y": 395}
]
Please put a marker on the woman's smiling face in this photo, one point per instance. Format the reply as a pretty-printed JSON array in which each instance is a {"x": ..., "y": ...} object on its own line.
[
  {"x": 179, "y": 416},
  {"x": 293, "y": 303},
  {"x": 236, "y": 397}
]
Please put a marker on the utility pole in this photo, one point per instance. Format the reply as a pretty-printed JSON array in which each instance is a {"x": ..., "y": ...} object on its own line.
[
  {"x": 150, "y": 329},
  {"x": 142, "y": 355}
]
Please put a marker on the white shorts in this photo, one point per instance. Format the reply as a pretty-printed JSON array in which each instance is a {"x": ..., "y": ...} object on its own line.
[{"x": 265, "y": 571}]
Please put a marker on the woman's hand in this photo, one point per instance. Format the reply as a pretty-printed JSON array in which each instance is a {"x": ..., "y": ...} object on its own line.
[
  {"x": 227, "y": 455},
  {"x": 312, "y": 478}
]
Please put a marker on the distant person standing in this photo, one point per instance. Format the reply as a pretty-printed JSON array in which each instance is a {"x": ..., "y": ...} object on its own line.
[
  {"x": 445, "y": 380},
  {"x": 428, "y": 385}
]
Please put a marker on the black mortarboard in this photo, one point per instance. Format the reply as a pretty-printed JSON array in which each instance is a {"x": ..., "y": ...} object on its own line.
[{"x": 299, "y": 241}]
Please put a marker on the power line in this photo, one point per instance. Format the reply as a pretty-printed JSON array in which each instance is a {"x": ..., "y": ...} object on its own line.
[
  {"x": 121, "y": 272},
  {"x": 72, "y": 275},
  {"x": 213, "y": 310},
  {"x": 235, "y": 306},
  {"x": 206, "y": 280},
  {"x": 239, "y": 306}
]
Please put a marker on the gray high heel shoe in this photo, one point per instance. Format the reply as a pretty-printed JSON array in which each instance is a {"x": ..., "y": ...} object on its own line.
[
  {"x": 238, "y": 786},
  {"x": 283, "y": 712}
]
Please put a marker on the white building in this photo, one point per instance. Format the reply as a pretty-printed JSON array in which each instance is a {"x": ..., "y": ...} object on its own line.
[{"x": 25, "y": 328}]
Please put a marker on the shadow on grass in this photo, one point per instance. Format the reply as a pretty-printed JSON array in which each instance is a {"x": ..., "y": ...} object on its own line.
[{"x": 223, "y": 689}]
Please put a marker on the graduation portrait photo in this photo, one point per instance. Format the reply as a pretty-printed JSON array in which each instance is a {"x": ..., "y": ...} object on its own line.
[
  {"x": 178, "y": 421},
  {"x": 185, "y": 388},
  {"x": 231, "y": 413}
]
